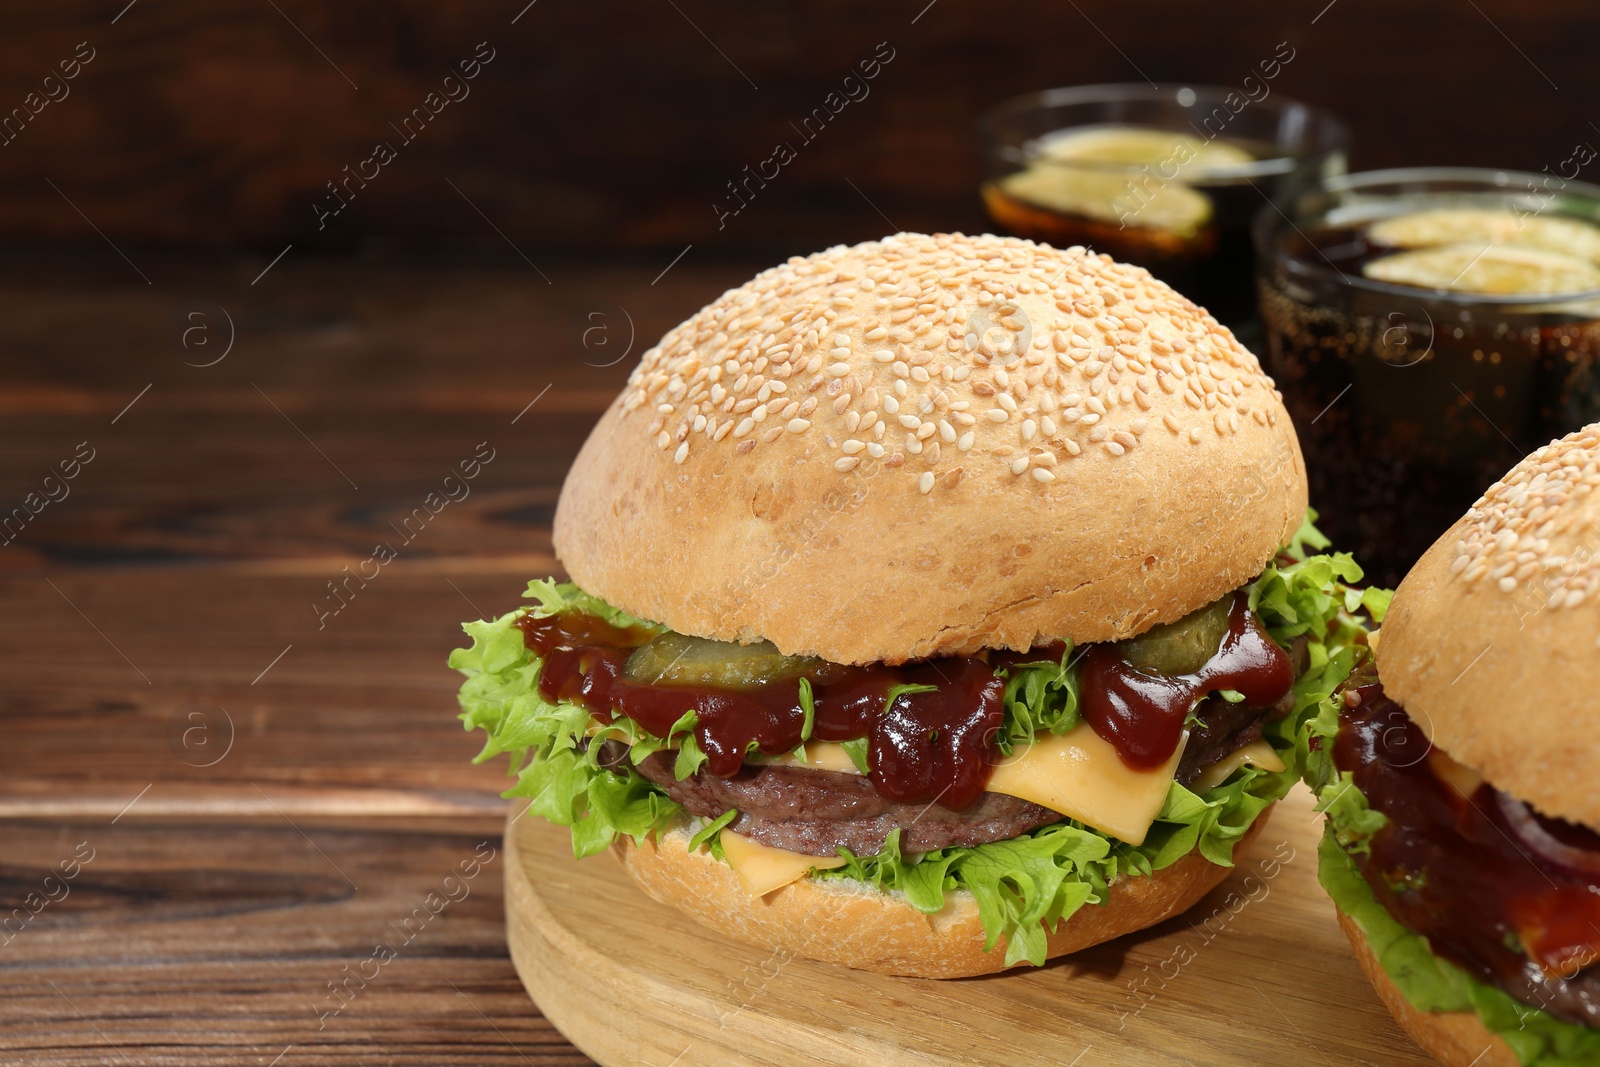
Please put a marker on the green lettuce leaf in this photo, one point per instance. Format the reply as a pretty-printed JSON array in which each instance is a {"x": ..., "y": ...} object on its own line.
[
  {"x": 560, "y": 777},
  {"x": 1042, "y": 695},
  {"x": 1025, "y": 885},
  {"x": 1537, "y": 1038},
  {"x": 712, "y": 828}
]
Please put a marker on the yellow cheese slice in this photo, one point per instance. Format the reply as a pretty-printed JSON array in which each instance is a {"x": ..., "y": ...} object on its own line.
[
  {"x": 1256, "y": 754},
  {"x": 1080, "y": 775},
  {"x": 762, "y": 868},
  {"x": 820, "y": 756}
]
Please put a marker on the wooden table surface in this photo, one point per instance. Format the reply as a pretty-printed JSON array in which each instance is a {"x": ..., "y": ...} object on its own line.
[
  {"x": 254, "y": 792},
  {"x": 268, "y": 792}
]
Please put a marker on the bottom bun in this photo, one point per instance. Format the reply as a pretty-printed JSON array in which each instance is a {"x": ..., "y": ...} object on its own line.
[
  {"x": 859, "y": 926},
  {"x": 1454, "y": 1038}
]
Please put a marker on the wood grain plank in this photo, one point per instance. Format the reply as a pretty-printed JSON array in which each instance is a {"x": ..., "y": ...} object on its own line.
[
  {"x": 215, "y": 943},
  {"x": 209, "y": 123},
  {"x": 355, "y": 718},
  {"x": 346, "y": 400}
]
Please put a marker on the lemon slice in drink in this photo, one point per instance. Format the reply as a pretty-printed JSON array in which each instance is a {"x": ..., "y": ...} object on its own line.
[
  {"x": 1481, "y": 226},
  {"x": 1138, "y": 145},
  {"x": 1128, "y": 175},
  {"x": 1497, "y": 270},
  {"x": 1110, "y": 196}
]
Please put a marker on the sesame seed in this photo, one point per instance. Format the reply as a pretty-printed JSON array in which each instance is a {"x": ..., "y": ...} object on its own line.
[
  {"x": 799, "y": 425},
  {"x": 910, "y": 422},
  {"x": 838, "y": 370},
  {"x": 875, "y": 450},
  {"x": 997, "y": 415},
  {"x": 1029, "y": 428},
  {"x": 846, "y": 463},
  {"x": 744, "y": 427},
  {"x": 965, "y": 442},
  {"x": 852, "y": 446},
  {"x": 926, "y": 430},
  {"x": 1019, "y": 464},
  {"x": 682, "y": 453},
  {"x": 925, "y": 483},
  {"x": 1005, "y": 401},
  {"x": 947, "y": 433},
  {"x": 1041, "y": 474},
  {"x": 891, "y": 405},
  {"x": 877, "y": 333}
]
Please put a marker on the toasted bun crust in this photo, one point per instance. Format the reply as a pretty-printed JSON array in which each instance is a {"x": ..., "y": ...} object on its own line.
[
  {"x": 865, "y": 928},
  {"x": 1492, "y": 643},
  {"x": 1455, "y": 1039},
  {"x": 927, "y": 445}
]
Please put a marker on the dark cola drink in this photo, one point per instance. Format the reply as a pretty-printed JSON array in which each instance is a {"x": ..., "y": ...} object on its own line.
[
  {"x": 1168, "y": 178},
  {"x": 1428, "y": 332}
]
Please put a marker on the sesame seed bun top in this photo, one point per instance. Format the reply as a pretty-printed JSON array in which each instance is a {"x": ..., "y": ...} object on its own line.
[
  {"x": 934, "y": 444},
  {"x": 1492, "y": 643}
]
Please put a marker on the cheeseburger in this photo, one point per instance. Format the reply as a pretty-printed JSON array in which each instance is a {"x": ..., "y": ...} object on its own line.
[
  {"x": 938, "y": 604},
  {"x": 1462, "y": 781}
]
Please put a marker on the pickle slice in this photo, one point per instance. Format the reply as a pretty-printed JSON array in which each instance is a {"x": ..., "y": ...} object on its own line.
[
  {"x": 1181, "y": 647},
  {"x": 1501, "y": 270},
  {"x": 677, "y": 659},
  {"x": 1481, "y": 226}
]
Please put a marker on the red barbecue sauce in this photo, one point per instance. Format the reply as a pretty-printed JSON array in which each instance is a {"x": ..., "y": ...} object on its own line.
[
  {"x": 928, "y": 747},
  {"x": 1452, "y": 867},
  {"x": 1142, "y": 714}
]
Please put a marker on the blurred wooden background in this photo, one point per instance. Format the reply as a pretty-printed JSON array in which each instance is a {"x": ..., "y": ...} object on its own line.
[{"x": 604, "y": 125}]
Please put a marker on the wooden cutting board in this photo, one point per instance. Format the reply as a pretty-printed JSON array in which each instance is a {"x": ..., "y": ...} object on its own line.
[{"x": 1257, "y": 973}]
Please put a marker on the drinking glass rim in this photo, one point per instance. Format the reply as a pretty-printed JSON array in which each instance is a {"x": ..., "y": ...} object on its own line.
[
  {"x": 1269, "y": 219},
  {"x": 1164, "y": 92}
]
